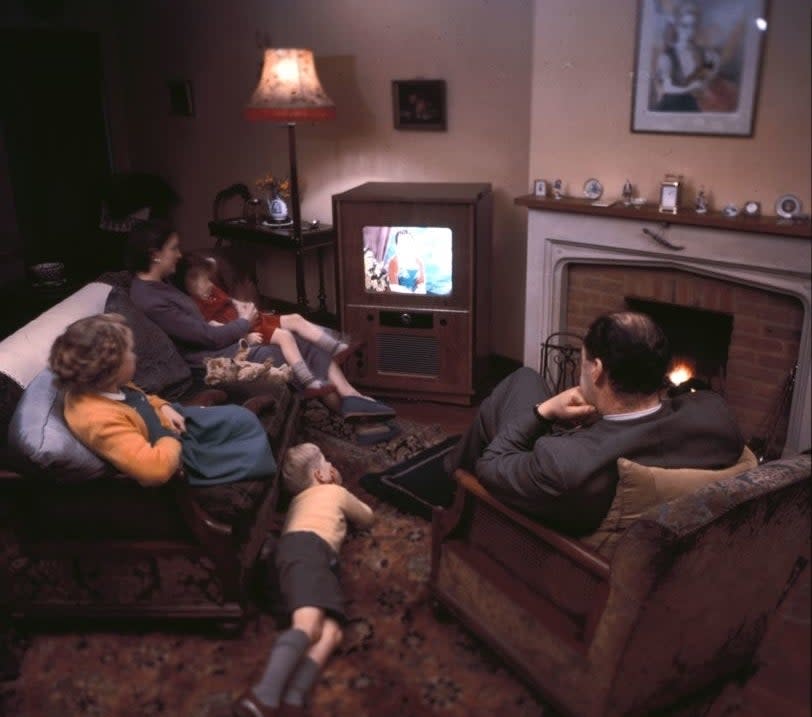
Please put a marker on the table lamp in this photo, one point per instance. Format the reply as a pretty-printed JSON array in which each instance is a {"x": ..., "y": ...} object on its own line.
[{"x": 288, "y": 92}]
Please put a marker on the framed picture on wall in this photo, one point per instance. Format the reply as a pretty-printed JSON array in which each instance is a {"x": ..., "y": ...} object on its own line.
[
  {"x": 419, "y": 104},
  {"x": 697, "y": 66}
]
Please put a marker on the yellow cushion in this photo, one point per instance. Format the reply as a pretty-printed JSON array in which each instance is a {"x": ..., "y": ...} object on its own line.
[{"x": 643, "y": 487}]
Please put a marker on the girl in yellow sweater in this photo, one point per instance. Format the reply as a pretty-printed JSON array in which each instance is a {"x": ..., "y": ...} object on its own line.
[{"x": 143, "y": 435}]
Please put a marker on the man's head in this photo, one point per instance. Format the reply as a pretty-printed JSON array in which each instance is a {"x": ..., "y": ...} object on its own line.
[{"x": 626, "y": 354}]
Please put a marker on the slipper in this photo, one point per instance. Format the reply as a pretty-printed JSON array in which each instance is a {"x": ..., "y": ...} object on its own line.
[
  {"x": 249, "y": 705},
  {"x": 317, "y": 391},
  {"x": 363, "y": 407}
]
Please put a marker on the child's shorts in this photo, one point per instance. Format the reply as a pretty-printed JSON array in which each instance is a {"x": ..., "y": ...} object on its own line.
[
  {"x": 309, "y": 574},
  {"x": 267, "y": 324}
]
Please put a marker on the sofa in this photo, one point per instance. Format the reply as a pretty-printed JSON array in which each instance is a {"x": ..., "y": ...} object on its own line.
[
  {"x": 672, "y": 608},
  {"x": 80, "y": 539}
]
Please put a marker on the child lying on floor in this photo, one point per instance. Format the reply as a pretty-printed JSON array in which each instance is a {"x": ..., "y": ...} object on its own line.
[{"x": 307, "y": 562}]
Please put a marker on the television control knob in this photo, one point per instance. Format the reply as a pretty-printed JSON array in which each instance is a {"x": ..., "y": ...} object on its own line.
[{"x": 405, "y": 319}]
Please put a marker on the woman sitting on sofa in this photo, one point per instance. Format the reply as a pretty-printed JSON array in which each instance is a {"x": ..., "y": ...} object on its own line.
[{"x": 154, "y": 252}]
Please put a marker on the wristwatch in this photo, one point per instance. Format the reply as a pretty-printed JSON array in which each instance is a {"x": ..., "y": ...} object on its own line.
[{"x": 541, "y": 419}]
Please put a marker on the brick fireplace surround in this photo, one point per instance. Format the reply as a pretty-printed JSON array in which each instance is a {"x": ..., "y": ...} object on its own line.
[{"x": 579, "y": 265}]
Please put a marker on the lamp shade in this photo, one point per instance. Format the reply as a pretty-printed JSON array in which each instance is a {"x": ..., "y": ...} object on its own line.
[{"x": 289, "y": 89}]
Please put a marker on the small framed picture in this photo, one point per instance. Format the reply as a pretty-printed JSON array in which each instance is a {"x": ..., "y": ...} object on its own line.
[
  {"x": 540, "y": 188},
  {"x": 419, "y": 104}
]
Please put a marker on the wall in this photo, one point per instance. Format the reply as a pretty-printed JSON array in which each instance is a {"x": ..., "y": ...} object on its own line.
[
  {"x": 581, "y": 109},
  {"x": 481, "y": 48}
]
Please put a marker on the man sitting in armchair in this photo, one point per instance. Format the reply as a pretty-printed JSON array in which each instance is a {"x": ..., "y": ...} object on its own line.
[{"x": 566, "y": 475}]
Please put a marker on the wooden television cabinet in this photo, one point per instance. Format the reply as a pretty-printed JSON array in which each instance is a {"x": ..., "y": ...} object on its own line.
[{"x": 433, "y": 345}]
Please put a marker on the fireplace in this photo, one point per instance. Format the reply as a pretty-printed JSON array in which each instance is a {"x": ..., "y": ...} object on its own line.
[
  {"x": 699, "y": 341},
  {"x": 581, "y": 265}
]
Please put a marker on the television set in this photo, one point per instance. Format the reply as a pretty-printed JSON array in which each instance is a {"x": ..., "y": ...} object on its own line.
[
  {"x": 413, "y": 277},
  {"x": 417, "y": 260}
]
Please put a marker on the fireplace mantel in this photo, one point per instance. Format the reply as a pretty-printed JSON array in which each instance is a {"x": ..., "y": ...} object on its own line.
[
  {"x": 768, "y": 225},
  {"x": 770, "y": 261}
]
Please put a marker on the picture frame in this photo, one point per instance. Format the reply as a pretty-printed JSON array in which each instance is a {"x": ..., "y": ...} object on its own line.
[
  {"x": 540, "y": 188},
  {"x": 419, "y": 105},
  {"x": 722, "y": 42}
]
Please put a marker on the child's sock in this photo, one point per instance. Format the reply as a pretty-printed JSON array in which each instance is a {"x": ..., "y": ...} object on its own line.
[
  {"x": 301, "y": 682},
  {"x": 286, "y": 654},
  {"x": 302, "y": 373},
  {"x": 328, "y": 343}
]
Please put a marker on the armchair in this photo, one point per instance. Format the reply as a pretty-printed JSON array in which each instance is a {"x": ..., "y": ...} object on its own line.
[
  {"x": 682, "y": 603},
  {"x": 84, "y": 540}
]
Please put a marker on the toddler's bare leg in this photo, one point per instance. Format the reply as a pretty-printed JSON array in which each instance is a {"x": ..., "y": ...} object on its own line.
[{"x": 297, "y": 324}]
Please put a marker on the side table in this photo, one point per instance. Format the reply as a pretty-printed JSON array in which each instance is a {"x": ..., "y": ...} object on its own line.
[{"x": 317, "y": 239}]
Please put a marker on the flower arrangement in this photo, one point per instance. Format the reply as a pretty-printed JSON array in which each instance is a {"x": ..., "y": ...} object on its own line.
[{"x": 274, "y": 186}]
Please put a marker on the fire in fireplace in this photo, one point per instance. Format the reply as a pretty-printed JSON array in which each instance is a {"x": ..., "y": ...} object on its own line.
[{"x": 699, "y": 338}]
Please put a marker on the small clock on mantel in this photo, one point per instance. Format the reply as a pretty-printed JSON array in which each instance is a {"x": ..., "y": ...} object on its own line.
[{"x": 669, "y": 194}]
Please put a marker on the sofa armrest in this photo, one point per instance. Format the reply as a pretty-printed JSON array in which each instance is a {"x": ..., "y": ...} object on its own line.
[{"x": 206, "y": 397}]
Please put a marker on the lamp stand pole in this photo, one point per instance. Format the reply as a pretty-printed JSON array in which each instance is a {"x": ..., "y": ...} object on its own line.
[{"x": 296, "y": 229}]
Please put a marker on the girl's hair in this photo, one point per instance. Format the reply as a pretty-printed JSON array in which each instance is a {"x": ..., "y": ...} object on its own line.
[
  {"x": 191, "y": 264},
  {"x": 298, "y": 466},
  {"x": 146, "y": 238},
  {"x": 89, "y": 354}
]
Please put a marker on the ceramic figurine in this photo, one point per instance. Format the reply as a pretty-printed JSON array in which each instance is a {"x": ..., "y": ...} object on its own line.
[
  {"x": 627, "y": 193},
  {"x": 701, "y": 202}
]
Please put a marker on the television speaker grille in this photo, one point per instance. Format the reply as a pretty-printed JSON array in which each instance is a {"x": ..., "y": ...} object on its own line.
[{"x": 417, "y": 355}]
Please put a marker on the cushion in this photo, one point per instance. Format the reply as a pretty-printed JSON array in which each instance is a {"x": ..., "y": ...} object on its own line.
[
  {"x": 641, "y": 487},
  {"x": 39, "y": 437},
  {"x": 160, "y": 368}
]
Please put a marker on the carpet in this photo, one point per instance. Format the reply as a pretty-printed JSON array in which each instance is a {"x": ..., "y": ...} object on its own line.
[{"x": 396, "y": 658}]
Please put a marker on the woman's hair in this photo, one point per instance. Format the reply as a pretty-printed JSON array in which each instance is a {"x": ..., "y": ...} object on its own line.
[
  {"x": 298, "y": 466},
  {"x": 191, "y": 264},
  {"x": 89, "y": 354},
  {"x": 633, "y": 349},
  {"x": 146, "y": 238}
]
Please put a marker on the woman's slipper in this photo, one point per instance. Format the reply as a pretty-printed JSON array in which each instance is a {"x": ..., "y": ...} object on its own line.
[{"x": 365, "y": 407}]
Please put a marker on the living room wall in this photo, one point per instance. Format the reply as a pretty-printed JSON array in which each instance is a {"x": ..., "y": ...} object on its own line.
[
  {"x": 581, "y": 110},
  {"x": 482, "y": 50}
]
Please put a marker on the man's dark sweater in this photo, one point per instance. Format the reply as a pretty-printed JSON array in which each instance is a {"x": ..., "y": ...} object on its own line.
[{"x": 567, "y": 478}]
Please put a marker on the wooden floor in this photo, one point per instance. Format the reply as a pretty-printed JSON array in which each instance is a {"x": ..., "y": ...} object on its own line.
[{"x": 781, "y": 686}]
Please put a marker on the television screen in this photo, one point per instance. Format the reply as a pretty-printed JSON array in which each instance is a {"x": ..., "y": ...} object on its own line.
[{"x": 415, "y": 260}]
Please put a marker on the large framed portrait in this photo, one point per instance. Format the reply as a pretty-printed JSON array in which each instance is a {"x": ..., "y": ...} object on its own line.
[{"x": 697, "y": 66}]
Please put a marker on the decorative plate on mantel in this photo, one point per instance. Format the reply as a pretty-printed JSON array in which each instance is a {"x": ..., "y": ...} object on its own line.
[
  {"x": 593, "y": 189},
  {"x": 788, "y": 206}
]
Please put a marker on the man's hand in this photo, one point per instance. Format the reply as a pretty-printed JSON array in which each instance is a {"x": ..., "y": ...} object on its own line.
[
  {"x": 569, "y": 405},
  {"x": 254, "y": 338},
  {"x": 177, "y": 421}
]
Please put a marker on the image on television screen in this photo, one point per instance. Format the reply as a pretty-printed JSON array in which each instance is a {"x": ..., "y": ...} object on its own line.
[{"x": 409, "y": 260}]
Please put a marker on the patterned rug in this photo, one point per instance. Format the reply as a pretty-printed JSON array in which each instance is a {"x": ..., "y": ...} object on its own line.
[{"x": 396, "y": 659}]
